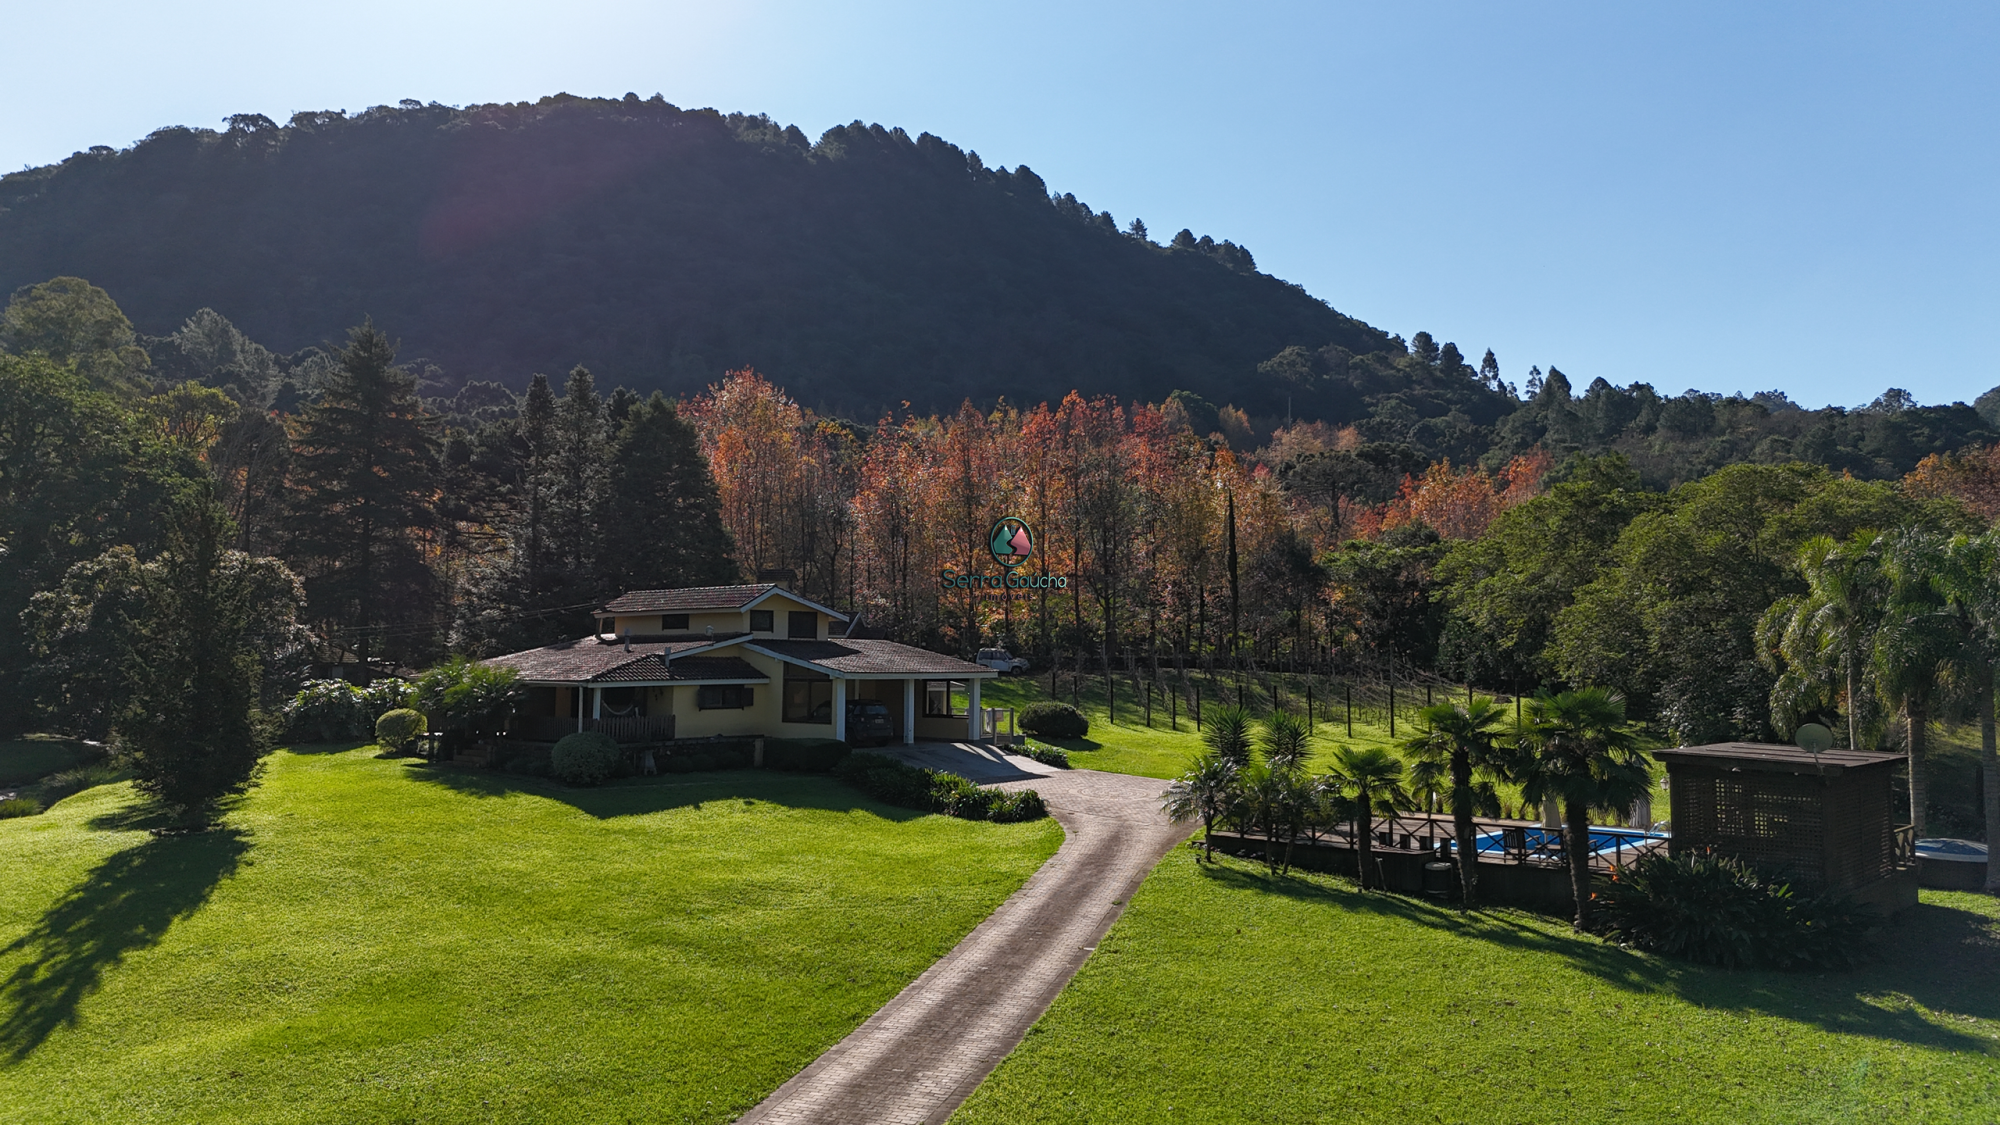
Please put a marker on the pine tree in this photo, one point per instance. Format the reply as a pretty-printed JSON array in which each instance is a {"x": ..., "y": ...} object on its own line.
[
  {"x": 663, "y": 514},
  {"x": 362, "y": 497},
  {"x": 576, "y": 482},
  {"x": 210, "y": 619}
]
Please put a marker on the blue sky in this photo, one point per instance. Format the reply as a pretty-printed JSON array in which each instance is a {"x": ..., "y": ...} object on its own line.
[{"x": 1725, "y": 196}]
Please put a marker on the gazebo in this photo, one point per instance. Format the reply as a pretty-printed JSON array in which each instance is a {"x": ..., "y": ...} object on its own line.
[{"x": 1825, "y": 821}]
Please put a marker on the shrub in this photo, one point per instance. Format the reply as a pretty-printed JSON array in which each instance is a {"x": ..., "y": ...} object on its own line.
[
  {"x": 326, "y": 711},
  {"x": 913, "y": 787},
  {"x": 1054, "y": 720},
  {"x": 584, "y": 758},
  {"x": 1047, "y": 755},
  {"x": 466, "y": 697},
  {"x": 1720, "y": 911},
  {"x": 56, "y": 786},
  {"x": 1009, "y": 808},
  {"x": 399, "y": 729},
  {"x": 1225, "y": 729},
  {"x": 805, "y": 755},
  {"x": 19, "y": 806}
]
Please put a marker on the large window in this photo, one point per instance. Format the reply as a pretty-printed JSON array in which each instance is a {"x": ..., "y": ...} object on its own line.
[
  {"x": 761, "y": 621},
  {"x": 802, "y": 625},
  {"x": 722, "y": 697},
  {"x": 945, "y": 699},
  {"x": 809, "y": 701},
  {"x": 673, "y": 622}
]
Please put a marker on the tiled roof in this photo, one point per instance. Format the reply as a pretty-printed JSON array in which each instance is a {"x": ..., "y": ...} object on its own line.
[
  {"x": 686, "y": 670},
  {"x": 589, "y": 659},
  {"x": 1772, "y": 758},
  {"x": 866, "y": 657},
  {"x": 693, "y": 597}
]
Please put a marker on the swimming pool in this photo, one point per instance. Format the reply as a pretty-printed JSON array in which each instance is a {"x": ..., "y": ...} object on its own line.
[{"x": 1607, "y": 843}]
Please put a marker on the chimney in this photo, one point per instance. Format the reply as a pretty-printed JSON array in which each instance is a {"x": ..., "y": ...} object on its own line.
[
  {"x": 627, "y": 634},
  {"x": 783, "y": 577}
]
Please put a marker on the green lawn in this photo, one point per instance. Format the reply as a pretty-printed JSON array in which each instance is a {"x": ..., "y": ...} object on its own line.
[
  {"x": 1131, "y": 746},
  {"x": 1227, "y": 996},
  {"x": 371, "y": 940},
  {"x": 29, "y": 759}
]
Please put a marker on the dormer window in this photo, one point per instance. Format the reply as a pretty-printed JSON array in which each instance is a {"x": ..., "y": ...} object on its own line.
[
  {"x": 761, "y": 621},
  {"x": 673, "y": 622},
  {"x": 802, "y": 625}
]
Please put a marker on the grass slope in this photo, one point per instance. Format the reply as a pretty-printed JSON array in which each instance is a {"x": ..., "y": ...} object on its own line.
[
  {"x": 1227, "y": 996},
  {"x": 368, "y": 940},
  {"x": 1131, "y": 746}
]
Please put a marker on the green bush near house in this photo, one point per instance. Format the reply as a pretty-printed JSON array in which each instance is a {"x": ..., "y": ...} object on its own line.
[
  {"x": 1718, "y": 911},
  {"x": 914, "y": 787},
  {"x": 1054, "y": 720},
  {"x": 585, "y": 758},
  {"x": 805, "y": 755},
  {"x": 398, "y": 729},
  {"x": 1047, "y": 755}
]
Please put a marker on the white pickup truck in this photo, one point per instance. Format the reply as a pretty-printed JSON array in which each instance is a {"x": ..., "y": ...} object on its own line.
[{"x": 1001, "y": 661}]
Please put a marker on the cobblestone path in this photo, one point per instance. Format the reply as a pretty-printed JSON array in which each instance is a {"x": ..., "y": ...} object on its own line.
[{"x": 930, "y": 1047}]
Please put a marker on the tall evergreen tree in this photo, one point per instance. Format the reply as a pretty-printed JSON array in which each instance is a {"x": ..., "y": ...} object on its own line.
[
  {"x": 362, "y": 499},
  {"x": 574, "y": 481},
  {"x": 663, "y": 515},
  {"x": 207, "y": 623}
]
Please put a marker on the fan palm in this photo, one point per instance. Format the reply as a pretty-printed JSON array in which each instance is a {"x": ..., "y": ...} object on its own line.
[
  {"x": 1465, "y": 738},
  {"x": 1206, "y": 791},
  {"x": 1374, "y": 777},
  {"x": 1580, "y": 753}
]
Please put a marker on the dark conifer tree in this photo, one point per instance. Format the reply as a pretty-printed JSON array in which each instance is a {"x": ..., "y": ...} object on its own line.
[
  {"x": 362, "y": 496},
  {"x": 663, "y": 516},
  {"x": 209, "y": 618}
]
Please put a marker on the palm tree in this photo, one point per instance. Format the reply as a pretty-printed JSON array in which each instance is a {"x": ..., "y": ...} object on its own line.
[
  {"x": 1226, "y": 731},
  {"x": 1924, "y": 649},
  {"x": 1968, "y": 577},
  {"x": 1580, "y": 752},
  {"x": 1285, "y": 741},
  {"x": 1465, "y": 736},
  {"x": 1824, "y": 634},
  {"x": 1373, "y": 776},
  {"x": 1207, "y": 790}
]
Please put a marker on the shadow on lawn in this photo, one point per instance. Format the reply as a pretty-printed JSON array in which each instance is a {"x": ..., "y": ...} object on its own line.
[
  {"x": 124, "y": 905},
  {"x": 639, "y": 796},
  {"x": 1943, "y": 958}
]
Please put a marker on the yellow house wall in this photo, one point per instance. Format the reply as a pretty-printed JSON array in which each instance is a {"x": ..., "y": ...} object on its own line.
[{"x": 726, "y": 621}]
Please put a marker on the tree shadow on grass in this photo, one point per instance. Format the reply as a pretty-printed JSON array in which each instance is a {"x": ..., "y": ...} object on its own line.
[
  {"x": 1942, "y": 958},
  {"x": 639, "y": 796},
  {"x": 126, "y": 904}
]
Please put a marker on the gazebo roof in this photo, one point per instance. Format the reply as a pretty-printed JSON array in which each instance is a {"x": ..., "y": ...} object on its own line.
[{"x": 1765, "y": 757}]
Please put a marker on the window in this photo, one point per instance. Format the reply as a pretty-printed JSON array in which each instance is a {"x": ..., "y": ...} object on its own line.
[
  {"x": 673, "y": 622},
  {"x": 944, "y": 699},
  {"x": 722, "y": 697},
  {"x": 802, "y": 625},
  {"x": 760, "y": 621},
  {"x": 809, "y": 701}
]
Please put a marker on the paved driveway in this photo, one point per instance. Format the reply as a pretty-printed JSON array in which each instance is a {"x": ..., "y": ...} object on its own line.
[{"x": 927, "y": 1049}]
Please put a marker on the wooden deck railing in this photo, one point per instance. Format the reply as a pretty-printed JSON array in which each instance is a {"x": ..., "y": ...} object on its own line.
[{"x": 1521, "y": 841}]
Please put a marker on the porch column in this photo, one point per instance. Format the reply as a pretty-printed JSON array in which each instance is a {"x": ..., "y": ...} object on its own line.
[
  {"x": 840, "y": 710},
  {"x": 596, "y": 703},
  {"x": 974, "y": 720},
  {"x": 578, "y": 690},
  {"x": 909, "y": 712}
]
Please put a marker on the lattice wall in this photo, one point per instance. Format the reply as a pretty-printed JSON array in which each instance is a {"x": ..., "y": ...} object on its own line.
[{"x": 1821, "y": 832}]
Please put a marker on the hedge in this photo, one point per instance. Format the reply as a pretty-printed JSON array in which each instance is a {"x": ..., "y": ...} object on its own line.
[
  {"x": 913, "y": 787},
  {"x": 584, "y": 758}
]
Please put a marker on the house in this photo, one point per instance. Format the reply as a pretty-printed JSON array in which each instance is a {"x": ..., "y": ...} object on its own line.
[{"x": 736, "y": 661}]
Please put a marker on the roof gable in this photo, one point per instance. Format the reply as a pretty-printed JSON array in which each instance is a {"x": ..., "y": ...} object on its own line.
[{"x": 694, "y": 599}]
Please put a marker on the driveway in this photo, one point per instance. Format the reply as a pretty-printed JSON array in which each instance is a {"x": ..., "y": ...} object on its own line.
[{"x": 930, "y": 1047}]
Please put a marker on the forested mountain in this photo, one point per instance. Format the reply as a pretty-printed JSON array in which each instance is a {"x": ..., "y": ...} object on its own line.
[{"x": 661, "y": 247}]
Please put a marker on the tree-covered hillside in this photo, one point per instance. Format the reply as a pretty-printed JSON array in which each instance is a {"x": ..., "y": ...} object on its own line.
[{"x": 661, "y": 247}]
